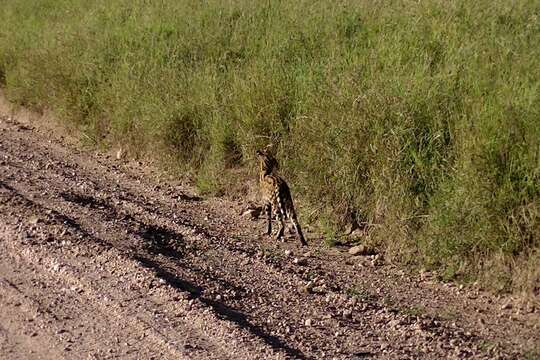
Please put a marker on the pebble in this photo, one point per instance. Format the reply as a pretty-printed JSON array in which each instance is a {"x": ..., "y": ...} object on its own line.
[
  {"x": 252, "y": 213},
  {"x": 360, "y": 250},
  {"x": 394, "y": 323}
]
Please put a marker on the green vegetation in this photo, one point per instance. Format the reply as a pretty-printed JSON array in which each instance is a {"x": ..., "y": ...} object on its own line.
[
  {"x": 361, "y": 294},
  {"x": 414, "y": 310},
  {"x": 419, "y": 117}
]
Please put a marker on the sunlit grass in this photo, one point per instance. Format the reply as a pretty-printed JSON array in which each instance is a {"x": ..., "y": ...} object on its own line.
[{"x": 419, "y": 117}]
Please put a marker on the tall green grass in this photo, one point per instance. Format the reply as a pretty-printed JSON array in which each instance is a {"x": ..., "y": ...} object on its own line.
[{"x": 420, "y": 118}]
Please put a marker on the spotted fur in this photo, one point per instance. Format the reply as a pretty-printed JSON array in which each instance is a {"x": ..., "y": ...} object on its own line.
[{"x": 276, "y": 194}]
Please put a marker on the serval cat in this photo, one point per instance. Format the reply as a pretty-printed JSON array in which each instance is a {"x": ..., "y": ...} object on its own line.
[{"x": 276, "y": 193}]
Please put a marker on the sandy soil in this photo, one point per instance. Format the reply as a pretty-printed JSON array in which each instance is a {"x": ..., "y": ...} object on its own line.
[{"x": 104, "y": 258}]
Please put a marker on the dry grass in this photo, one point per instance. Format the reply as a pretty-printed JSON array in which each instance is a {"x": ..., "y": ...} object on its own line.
[{"x": 419, "y": 117}]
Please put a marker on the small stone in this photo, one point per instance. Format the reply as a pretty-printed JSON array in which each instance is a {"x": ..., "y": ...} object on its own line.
[
  {"x": 288, "y": 252},
  {"x": 356, "y": 250},
  {"x": 361, "y": 250},
  {"x": 308, "y": 322},
  {"x": 506, "y": 306},
  {"x": 300, "y": 261},
  {"x": 357, "y": 234},
  {"x": 120, "y": 154},
  {"x": 76, "y": 289},
  {"x": 394, "y": 324},
  {"x": 319, "y": 289},
  {"x": 252, "y": 213}
]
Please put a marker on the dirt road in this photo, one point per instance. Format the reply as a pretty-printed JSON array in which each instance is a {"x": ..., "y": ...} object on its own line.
[{"x": 101, "y": 258}]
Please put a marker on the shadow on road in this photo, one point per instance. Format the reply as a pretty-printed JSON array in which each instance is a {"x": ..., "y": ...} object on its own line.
[{"x": 159, "y": 241}]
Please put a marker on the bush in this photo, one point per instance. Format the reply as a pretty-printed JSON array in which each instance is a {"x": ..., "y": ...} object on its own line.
[{"x": 418, "y": 118}]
